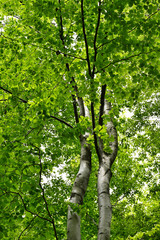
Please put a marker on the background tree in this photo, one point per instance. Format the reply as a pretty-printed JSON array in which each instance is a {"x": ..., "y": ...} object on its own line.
[{"x": 69, "y": 72}]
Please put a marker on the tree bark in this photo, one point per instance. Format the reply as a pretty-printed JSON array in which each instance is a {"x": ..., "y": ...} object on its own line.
[
  {"x": 78, "y": 190},
  {"x": 104, "y": 177}
]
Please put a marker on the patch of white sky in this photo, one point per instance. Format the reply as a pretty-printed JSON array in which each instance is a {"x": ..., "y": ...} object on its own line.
[
  {"x": 5, "y": 20},
  {"x": 127, "y": 114},
  {"x": 57, "y": 172},
  {"x": 54, "y": 22},
  {"x": 153, "y": 119}
]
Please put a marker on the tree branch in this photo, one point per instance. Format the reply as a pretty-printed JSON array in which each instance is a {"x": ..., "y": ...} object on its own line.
[
  {"x": 94, "y": 134},
  {"x": 61, "y": 26},
  {"x": 68, "y": 69},
  {"x": 101, "y": 111},
  {"x": 111, "y": 131},
  {"x": 60, "y": 52},
  {"x": 118, "y": 200},
  {"x": 92, "y": 219},
  {"x": 35, "y": 214},
  {"x": 43, "y": 194},
  {"x": 25, "y": 101},
  {"x": 48, "y": 48},
  {"x": 26, "y": 227},
  {"x": 75, "y": 108},
  {"x": 22, "y": 100},
  {"x": 80, "y": 100},
  {"x": 123, "y": 59},
  {"x": 85, "y": 38},
  {"x": 91, "y": 74},
  {"x": 60, "y": 120},
  {"x": 95, "y": 37}
]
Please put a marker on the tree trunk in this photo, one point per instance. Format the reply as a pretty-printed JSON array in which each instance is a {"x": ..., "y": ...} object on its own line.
[
  {"x": 105, "y": 211},
  {"x": 78, "y": 190},
  {"x": 104, "y": 177}
]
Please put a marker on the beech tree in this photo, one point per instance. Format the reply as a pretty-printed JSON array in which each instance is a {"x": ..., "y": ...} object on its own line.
[{"x": 70, "y": 72}]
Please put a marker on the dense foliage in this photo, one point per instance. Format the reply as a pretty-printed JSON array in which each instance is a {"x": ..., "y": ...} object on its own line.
[{"x": 52, "y": 53}]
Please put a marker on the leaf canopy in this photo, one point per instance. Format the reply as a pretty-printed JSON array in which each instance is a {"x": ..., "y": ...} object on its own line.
[{"x": 38, "y": 64}]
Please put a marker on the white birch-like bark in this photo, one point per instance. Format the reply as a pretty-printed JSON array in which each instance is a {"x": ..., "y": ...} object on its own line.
[
  {"x": 78, "y": 190},
  {"x": 104, "y": 176}
]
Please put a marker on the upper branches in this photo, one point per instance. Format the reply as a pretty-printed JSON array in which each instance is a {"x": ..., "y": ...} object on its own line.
[
  {"x": 80, "y": 100},
  {"x": 91, "y": 73},
  {"x": 95, "y": 37},
  {"x": 26, "y": 101},
  {"x": 123, "y": 59},
  {"x": 22, "y": 100},
  {"x": 85, "y": 39},
  {"x": 61, "y": 26}
]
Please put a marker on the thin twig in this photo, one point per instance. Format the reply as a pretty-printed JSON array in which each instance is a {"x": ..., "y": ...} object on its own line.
[
  {"x": 32, "y": 129},
  {"x": 25, "y": 101},
  {"x": 92, "y": 219},
  {"x": 26, "y": 227},
  {"x": 48, "y": 48},
  {"x": 22, "y": 100},
  {"x": 118, "y": 200},
  {"x": 43, "y": 194},
  {"x": 62, "y": 121},
  {"x": 123, "y": 59},
  {"x": 27, "y": 210}
]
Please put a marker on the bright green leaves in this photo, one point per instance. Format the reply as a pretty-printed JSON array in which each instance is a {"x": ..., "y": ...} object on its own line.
[
  {"x": 90, "y": 140},
  {"x": 153, "y": 233},
  {"x": 133, "y": 33},
  {"x": 1, "y": 138},
  {"x": 101, "y": 132},
  {"x": 38, "y": 85},
  {"x": 84, "y": 125}
]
